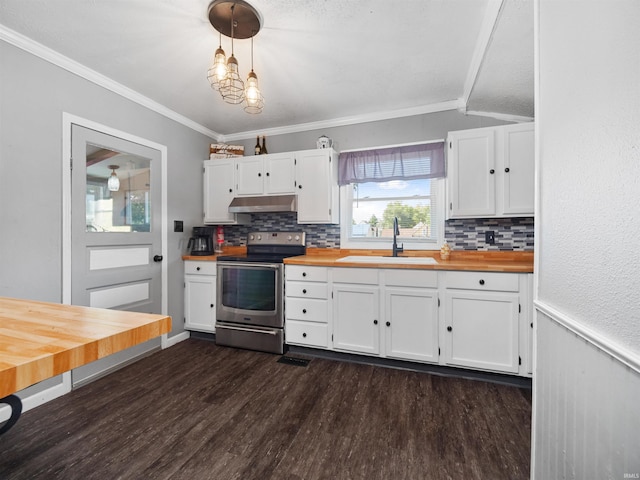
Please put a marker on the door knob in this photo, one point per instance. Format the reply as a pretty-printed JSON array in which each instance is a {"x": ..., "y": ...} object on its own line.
[
  {"x": 449, "y": 329},
  {"x": 157, "y": 258}
]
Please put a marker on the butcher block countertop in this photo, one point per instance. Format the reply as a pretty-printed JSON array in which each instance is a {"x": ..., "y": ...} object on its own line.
[
  {"x": 39, "y": 340},
  {"x": 514, "y": 262}
]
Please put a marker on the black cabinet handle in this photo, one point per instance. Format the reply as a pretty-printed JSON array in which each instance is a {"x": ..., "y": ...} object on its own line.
[
  {"x": 481, "y": 282},
  {"x": 506, "y": 169},
  {"x": 375, "y": 322},
  {"x": 531, "y": 324},
  {"x": 211, "y": 305},
  {"x": 267, "y": 174},
  {"x": 299, "y": 186},
  {"x": 492, "y": 171},
  {"x": 157, "y": 258},
  {"x": 388, "y": 324},
  {"x": 231, "y": 190},
  {"x": 198, "y": 268},
  {"x": 259, "y": 174},
  {"x": 304, "y": 335},
  {"x": 304, "y": 274},
  {"x": 304, "y": 310},
  {"x": 449, "y": 328},
  {"x": 304, "y": 290}
]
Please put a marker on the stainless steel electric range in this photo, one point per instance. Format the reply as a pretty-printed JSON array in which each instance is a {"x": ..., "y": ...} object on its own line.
[{"x": 250, "y": 292}]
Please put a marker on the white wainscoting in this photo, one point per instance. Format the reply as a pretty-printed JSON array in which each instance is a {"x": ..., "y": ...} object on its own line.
[
  {"x": 122, "y": 295},
  {"x": 104, "y": 258},
  {"x": 586, "y": 404}
]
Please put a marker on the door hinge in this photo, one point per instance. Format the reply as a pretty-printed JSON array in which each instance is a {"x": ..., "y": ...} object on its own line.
[
  {"x": 71, "y": 163},
  {"x": 519, "y": 308},
  {"x": 438, "y": 301},
  {"x": 295, "y": 161},
  {"x": 519, "y": 360},
  {"x": 450, "y": 205},
  {"x": 332, "y": 337},
  {"x": 438, "y": 351}
]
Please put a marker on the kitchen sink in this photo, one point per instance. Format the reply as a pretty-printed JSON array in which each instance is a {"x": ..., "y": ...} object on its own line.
[{"x": 384, "y": 259}]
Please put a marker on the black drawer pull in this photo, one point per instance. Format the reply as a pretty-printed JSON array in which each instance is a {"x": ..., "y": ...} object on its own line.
[
  {"x": 492, "y": 171},
  {"x": 506, "y": 169},
  {"x": 304, "y": 310},
  {"x": 481, "y": 282},
  {"x": 198, "y": 268},
  {"x": 304, "y": 274},
  {"x": 304, "y": 335},
  {"x": 449, "y": 329},
  {"x": 304, "y": 290}
]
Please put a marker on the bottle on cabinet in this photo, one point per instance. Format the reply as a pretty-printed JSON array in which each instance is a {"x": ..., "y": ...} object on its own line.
[
  {"x": 257, "y": 149},
  {"x": 263, "y": 149}
]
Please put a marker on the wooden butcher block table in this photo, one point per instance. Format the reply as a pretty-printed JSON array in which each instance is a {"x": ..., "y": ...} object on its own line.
[{"x": 39, "y": 340}]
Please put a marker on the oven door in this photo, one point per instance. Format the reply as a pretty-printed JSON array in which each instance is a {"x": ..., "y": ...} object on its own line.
[{"x": 250, "y": 294}]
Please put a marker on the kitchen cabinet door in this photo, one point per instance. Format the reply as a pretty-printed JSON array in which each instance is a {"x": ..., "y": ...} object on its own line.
[
  {"x": 471, "y": 174},
  {"x": 481, "y": 330},
  {"x": 279, "y": 173},
  {"x": 200, "y": 303},
  {"x": 272, "y": 174},
  {"x": 411, "y": 323},
  {"x": 519, "y": 169},
  {"x": 249, "y": 176},
  {"x": 356, "y": 318},
  {"x": 317, "y": 181},
  {"x": 219, "y": 190}
]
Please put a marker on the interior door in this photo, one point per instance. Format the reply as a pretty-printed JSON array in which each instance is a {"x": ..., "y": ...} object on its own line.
[{"x": 116, "y": 230}]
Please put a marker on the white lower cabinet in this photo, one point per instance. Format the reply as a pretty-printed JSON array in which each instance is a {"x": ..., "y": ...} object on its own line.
[
  {"x": 307, "y": 315},
  {"x": 200, "y": 296},
  {"x": 476, "y": 320},
  {"x": 482, "y": 321}
]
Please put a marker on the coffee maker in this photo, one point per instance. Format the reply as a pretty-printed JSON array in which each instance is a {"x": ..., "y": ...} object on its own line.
[{"x": 201, "y": 243}]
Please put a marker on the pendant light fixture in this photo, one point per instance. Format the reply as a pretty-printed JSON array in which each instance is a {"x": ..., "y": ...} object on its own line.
[
  {"x": 254, "y": 102},
  {"x": 113, "y": 184},
  {"x": 218, "y": 69},
  {"x": 236, "y": 20}
]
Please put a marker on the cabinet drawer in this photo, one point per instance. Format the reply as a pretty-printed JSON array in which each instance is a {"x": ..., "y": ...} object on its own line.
[
  {"x": 311, "y": 274},
  {"x": 503, "y": 282},
  {"x": 199, "y": 268},
  {"x": 312, "y": 310},
  {"x": 307, "y": 290},
  {"x": 411, "y": 278},
  {"x": 366, "y": 276},
  {"x": 304, "y": 333}
]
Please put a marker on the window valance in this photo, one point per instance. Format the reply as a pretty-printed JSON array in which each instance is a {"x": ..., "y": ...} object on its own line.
[{"x": 393, "y": 163}]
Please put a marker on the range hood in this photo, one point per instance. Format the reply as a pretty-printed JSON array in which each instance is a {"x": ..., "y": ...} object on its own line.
[{"x": 264, "y": 203}]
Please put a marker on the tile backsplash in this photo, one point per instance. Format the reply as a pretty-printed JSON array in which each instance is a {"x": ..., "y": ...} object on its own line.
[
  {"x": 510, "y": 233},
  {"x": 462, "y": 234},
  {"x": 321, "y": 236}
]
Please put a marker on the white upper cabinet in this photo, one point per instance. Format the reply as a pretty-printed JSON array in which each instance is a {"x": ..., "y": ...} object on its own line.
[
  {"x": 272, "y": 174},
  {"x": 491, "y": 172},
  {"x": 219, "y": 190},
  {"x": 317, "y": 186}
]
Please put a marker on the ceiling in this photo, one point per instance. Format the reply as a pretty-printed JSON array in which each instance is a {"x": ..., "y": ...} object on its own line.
[{"x": 319, "y": 62}]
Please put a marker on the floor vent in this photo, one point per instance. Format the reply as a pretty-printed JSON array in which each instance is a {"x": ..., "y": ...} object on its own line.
[{"x": 299, "y": 362}]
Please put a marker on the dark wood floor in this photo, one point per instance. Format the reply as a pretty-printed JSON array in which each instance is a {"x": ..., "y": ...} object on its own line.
[{"x": 199, "y": 411}]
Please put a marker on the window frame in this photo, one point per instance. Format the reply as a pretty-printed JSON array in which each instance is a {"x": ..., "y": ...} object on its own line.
[{"x": 380, "y": 243}]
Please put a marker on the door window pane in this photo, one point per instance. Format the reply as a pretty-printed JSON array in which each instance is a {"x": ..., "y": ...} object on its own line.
[{"x": 118, "y": 187}]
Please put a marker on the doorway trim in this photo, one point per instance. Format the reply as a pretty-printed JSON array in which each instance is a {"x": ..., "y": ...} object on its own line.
[{"x": 67, "y": 121}]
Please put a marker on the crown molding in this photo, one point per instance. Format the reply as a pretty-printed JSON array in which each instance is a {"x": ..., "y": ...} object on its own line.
[
  {"x": 507, "y": 117},
  {"x": 353, "y": 120},
  {"x": 45, "y": 53}
]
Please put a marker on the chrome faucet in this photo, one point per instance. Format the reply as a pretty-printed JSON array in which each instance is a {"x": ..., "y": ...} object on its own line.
[{"x": 396, "y": 231}]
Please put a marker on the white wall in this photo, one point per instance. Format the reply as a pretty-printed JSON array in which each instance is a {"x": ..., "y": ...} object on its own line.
[{"x": 587, "y": 238}]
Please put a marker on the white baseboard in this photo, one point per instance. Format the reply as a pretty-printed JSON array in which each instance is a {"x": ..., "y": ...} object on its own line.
[{"x": 171, "y": 341}]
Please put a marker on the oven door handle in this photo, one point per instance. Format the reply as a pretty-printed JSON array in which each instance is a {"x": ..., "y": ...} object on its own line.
[
  {"x": 242, "y": 329},
  {"x": 273, "y": 266}
]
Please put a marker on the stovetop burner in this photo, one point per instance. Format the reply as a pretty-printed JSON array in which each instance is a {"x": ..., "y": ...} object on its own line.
[{"x": 270, "y": 247}]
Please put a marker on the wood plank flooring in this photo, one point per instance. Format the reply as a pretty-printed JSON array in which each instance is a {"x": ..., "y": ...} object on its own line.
[{"x": 199, "y": 411}]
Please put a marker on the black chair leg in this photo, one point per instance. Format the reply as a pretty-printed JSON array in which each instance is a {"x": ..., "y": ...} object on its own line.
[{"x": 16, "y": 409}]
